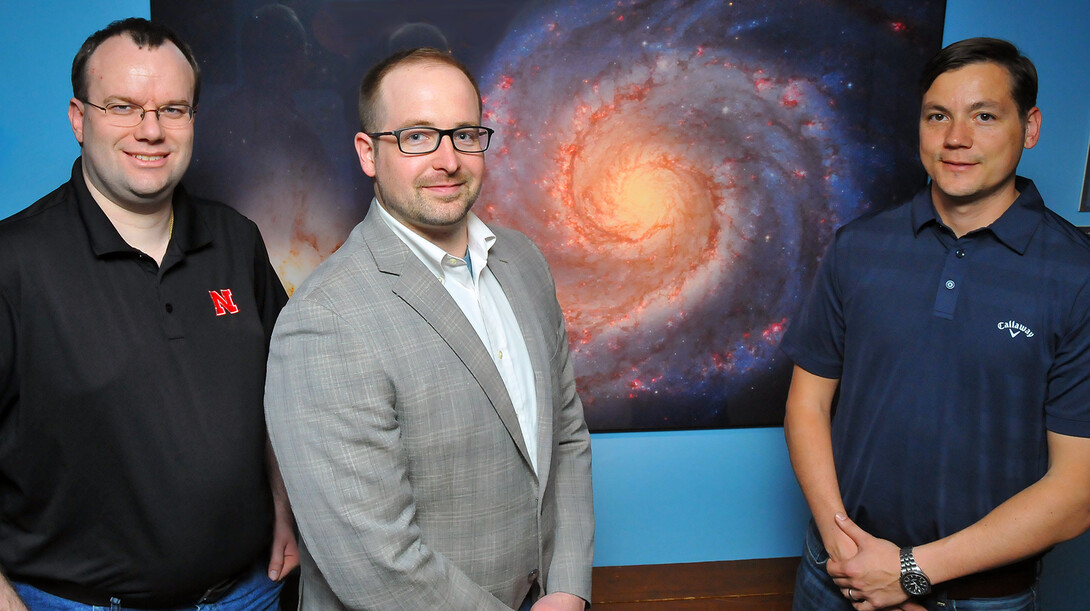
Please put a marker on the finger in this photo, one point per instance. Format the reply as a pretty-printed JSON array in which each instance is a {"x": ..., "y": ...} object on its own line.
[
  {"x": 850, "y": 528},
  {"x": 276, "y": 562}
]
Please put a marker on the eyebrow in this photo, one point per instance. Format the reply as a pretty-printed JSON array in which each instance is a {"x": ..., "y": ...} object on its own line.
[
  {"x": 974, "y": 106},
  {"x": 422, "y": 123},
  {"x": 114, "y": 99}
]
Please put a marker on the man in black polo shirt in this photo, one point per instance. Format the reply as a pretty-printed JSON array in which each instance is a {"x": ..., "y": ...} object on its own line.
[
  {"x": 134, "y": 326},
  {"x": 957, "y": 329}
]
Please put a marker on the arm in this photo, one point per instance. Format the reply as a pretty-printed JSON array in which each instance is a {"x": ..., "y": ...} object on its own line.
[
  {"x": 271, "y": 297},
  {"x": 9, "y": 600},
  {"x": 808, "y": 428},
  {"x": 9, "y": 390},
  {"x": 332, "y": 420},
  {"x": 1052, "y": 510},
  {"x": 568, "y": 586},
  {"x": 284, "y": 557}
]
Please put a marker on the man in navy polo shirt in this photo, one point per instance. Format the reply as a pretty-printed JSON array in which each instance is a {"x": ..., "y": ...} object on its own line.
[
  {"x": 957, "y": 329},
  {"x": 134, "y": 329}
]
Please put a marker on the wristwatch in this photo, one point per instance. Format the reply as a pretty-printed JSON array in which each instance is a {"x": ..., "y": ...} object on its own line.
[{"x": 913, "y": 581}]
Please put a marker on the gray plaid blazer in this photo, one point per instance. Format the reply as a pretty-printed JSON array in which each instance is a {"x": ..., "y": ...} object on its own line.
[{"x": 399, "y": 445}]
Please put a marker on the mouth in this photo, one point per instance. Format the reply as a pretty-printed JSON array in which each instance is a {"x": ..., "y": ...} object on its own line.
[
  {"x": 443, "y": 188},
  {"x": 142, "y": 157},
  {"x": 957, "y": 164}
]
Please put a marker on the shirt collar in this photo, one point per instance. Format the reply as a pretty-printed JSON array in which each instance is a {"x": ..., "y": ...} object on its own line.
[
  {"x": 189, "y": 233},
  {"x": 481, "y": 240},
  {"x": 1014, "y": 228}
]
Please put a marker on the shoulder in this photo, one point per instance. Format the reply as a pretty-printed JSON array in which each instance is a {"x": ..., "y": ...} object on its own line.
[
  {"x": 49, "y": 226},
  {"x": 41, "y": 214},
  {"x": 349, "y": 274},
  {"x": 1066, "y": 236},
  {"x": 894, "y": 220},
  {"x": 516, "y": 247},
  {"x": 221, "y": 217}
]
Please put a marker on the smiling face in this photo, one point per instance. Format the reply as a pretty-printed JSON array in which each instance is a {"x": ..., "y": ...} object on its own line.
[
  {"x": 135, "y": 168},
  {"x": 972, "y": 136},
  {"x": 430, "y": 194}
]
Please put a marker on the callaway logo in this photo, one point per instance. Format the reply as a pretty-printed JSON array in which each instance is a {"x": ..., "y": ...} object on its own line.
[{"x": 1015, "y": 328}]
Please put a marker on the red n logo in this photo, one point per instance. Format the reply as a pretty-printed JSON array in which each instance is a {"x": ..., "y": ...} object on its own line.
[{"x": 223, "y": 303}]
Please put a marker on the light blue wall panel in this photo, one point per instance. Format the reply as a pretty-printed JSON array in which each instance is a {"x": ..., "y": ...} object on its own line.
[{"x": 660, "y": 497}]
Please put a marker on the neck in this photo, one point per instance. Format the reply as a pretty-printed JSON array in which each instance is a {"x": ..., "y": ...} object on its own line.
[
  {"x": 453, "y": 241},
  {"x": 964, "y": 216},
  {"x": 147, "y": 228}
]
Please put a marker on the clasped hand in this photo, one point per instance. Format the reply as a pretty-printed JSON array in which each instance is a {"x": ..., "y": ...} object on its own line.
[{"x": 870, "y": 571}]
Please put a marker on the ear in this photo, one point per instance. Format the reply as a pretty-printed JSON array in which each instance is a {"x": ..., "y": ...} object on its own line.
[
  {"x": 365, "y": 148},
  {"x": 1033, "y": 127},
  {"x": 75, "y": 117}
]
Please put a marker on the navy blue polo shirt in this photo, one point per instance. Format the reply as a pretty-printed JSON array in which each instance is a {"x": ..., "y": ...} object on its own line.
[
  {"x": 132, "y": 430},
  {"x": 954, "y": 358}
]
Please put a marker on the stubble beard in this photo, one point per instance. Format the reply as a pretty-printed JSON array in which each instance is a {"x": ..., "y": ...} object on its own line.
[{"x": 430, "y": 212}]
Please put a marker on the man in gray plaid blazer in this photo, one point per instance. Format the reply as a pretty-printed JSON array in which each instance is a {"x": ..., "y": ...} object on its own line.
[{"x": 420, "y": 394}]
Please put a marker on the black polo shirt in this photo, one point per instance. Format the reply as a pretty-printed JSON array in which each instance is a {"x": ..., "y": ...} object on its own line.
[{"x": 131, "y": 425}]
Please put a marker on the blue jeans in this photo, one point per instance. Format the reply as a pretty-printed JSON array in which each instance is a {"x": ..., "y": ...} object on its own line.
[
  {"x": 815, "y": 590},
  {"x": 254, "y": 592}
]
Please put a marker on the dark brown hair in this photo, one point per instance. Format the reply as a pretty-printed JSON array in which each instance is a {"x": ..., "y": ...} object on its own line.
[{"x": 987, "y": 50}]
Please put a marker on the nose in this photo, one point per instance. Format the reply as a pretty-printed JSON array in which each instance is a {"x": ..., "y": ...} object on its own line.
[
  {"x": 445, "y": 158},
  {"x": 149, "y": 128},
  {"x": 958, "y": 135}
]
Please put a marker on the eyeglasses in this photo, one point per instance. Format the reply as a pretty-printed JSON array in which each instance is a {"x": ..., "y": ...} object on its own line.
[
  {"x": 171, "y": 116},
  {"x": 423, "y": 140}
]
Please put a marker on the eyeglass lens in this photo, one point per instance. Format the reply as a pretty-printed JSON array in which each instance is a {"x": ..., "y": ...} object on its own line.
[
  {"x": 130, "y": 115},
  {"x": 426, "y": 139}
]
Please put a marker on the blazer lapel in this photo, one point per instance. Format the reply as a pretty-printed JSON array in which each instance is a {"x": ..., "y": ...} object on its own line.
[
  {"x": 424, "y": 294},
  {"x": 526, "y": 302}
]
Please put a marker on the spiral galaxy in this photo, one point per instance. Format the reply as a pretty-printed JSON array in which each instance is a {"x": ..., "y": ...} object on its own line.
[
  {"x": 682, "y": 182},
  {"x": 681, "y": 163}
]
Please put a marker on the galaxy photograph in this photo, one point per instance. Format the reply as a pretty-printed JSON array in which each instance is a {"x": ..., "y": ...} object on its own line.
[{"x": 682, "y": 164}]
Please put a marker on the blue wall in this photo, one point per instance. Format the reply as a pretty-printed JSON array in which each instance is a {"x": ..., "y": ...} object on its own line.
[{"x": 660, "y": 497}]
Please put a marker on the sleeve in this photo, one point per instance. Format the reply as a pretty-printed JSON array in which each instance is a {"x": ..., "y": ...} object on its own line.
[
  {"x": 269, "y": 291},
  {"x": 333, "y": 424},
  {"x": 10, "y": 289},
  {"x": 815, "y": 336},
  {"x": 1067, "y": 408},
  {"x": 573, "y": 556},
  {"x": 9, "y": 380}
]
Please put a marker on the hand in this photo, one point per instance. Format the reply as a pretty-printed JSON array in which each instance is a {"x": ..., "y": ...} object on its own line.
[
  {"x": 840, "y": 547},
  {"x": 873, "y": 574},
  {"x": 285, "y": 551},
  {"x": 559, "y": 601}
]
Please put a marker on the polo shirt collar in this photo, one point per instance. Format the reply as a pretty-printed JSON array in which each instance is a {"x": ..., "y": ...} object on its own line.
[
  {"x": 190, "y": 231},
  {"x": 1014, "y": 228},
  {"x": 1019, "y": 222}
]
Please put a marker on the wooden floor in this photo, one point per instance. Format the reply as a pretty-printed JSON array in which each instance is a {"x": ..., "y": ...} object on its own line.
[{"x": 737, "y": 585}]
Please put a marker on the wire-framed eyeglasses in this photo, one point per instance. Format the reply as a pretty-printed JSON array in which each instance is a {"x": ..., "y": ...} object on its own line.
[
  {"x": 122, "y": 114},
  {"x": 423, "y": 140}
]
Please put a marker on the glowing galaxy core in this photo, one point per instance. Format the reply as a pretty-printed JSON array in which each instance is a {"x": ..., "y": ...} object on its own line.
[{"x": 681, "y": 189}]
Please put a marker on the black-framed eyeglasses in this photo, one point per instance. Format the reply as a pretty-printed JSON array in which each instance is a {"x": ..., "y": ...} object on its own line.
[
  {"x": 171, "y": 116},
  {"x": 423, "y": 140}
]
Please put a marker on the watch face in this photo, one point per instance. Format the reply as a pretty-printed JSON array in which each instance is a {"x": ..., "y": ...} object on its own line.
[{"x": 915, "y": 583}]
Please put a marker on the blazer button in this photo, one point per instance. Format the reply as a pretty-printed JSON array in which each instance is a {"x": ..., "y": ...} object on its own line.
[{"x": 532, "y": 577}]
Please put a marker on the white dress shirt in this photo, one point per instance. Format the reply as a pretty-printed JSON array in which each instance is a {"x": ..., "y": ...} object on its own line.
[{"x": 482, "y": 300}]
